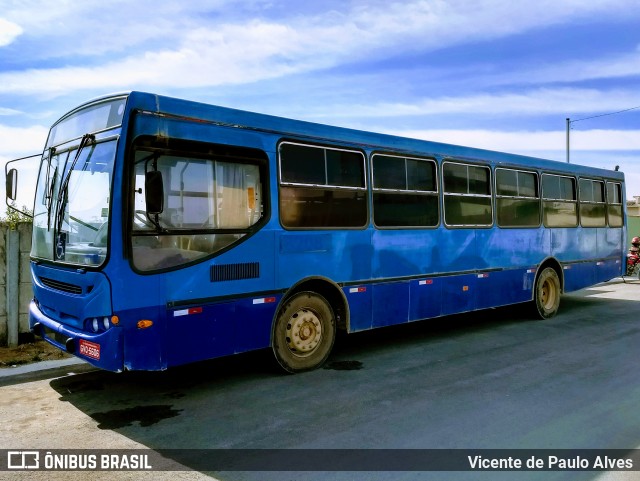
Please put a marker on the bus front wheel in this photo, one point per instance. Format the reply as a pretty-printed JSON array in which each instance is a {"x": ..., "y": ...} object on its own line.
[
  {"x": 547, "y": 293},
  {"x": 304, "y": 332}
]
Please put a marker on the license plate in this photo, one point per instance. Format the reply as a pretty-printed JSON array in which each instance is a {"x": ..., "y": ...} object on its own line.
[{"x": 90, "y": 349}]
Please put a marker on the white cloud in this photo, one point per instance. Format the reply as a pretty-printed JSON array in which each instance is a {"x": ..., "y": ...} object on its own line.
[
  {"x": 207, "y": 50},
  {"x": 611, "y": 66},
  {"x": 570, "y": 101},
  {"x": 120, "y": 25},
  {"x": 232, "y": 54},
  {"x": 600, "y": 139},
  {"x": 18, "y": 142},
  {"x": 6, "y": 111},
  {"x": 524, "y": 142},
  {"x": 9, "y": 31}
]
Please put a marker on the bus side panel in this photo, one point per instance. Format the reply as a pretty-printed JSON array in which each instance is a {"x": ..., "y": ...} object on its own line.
[
  {"x": 578, "y": 250},
  {"x": 611, "y": 243},
  {"x": 499, "y": 288},
  {"x": 458, "y": 293},
  {"x": 566, "y": 243},
  {"x": 579, "y": 275},
  {"x": 415, "y": 252},
  {"x": 607, "y": 269},
  {"x": 359, "y": 301},
  {"x": 144, "y": 349},
  {"x": 202, "y": 319},
  {"x": 513, "y": 253},
  {"x": 426, "y": 298},
  {"x": 226, "y": 275},
  {"x": 391, "y": 301},
  {"x": 200, "y": 333},
  {"x": 411, "y": 252},
  {"x": 219, "y": 329},
  {"x": 252, "y": 323},
  {"x": 513, "y": 248},
  {"x": 342, "y": 256}
]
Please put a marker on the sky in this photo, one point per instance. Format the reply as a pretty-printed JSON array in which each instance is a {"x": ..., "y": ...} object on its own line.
[{"x": 496, "y": 74}]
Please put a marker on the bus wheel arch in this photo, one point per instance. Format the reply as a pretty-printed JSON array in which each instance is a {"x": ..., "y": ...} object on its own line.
[
  {"x": 305, "y": 324},
  {"x": 547, "y": 289}
]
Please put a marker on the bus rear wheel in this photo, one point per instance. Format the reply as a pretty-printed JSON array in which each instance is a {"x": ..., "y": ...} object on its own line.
[
  {"x": 304, "y": 332},
  {"x": 547, "y": 293}
]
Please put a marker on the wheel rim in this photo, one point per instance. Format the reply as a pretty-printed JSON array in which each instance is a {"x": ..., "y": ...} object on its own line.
[
  {"x": 303, "y": 333},
  {"x": 548, "y": 294}
]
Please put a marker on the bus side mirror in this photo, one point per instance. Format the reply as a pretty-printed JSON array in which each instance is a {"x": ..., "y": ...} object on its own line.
[
  {"x": 12, "y": 184},
  {"x": 154, "y": 192}
]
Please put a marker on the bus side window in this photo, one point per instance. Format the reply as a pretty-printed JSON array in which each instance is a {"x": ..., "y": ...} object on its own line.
[
  {"x": 321, "y": 187},
  {"x": 517, "y": 198},
  {"x": 592, "y": 203},
  {"x": 559, "y": 201},
  {"x": 467, "y": 195},
  {"x": 405, "y": 192}
]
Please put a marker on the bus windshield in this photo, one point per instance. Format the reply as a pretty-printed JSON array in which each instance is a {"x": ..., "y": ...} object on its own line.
[
  {"x": 71, "y": 211},
  {"x": 101, "y": 116},
  {"x": 72, "y": 204}
]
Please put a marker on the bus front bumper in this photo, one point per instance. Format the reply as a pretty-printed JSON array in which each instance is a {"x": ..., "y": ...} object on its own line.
[{"x": 103, "y": 350}]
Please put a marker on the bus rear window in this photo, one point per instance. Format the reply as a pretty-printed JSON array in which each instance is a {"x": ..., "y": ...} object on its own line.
[{"x": 614, "y": 204}]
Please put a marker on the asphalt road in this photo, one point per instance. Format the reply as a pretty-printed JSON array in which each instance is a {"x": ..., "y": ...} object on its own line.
[{"x": 488, "y": 380}]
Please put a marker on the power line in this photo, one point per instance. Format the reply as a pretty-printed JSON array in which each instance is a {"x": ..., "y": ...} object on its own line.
[
  {"x": 569, "y": 122},
  {"x": 603, "y": 115}
]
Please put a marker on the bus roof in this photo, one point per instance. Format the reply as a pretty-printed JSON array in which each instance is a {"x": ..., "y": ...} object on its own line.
[{"x": 332, "y": 134}]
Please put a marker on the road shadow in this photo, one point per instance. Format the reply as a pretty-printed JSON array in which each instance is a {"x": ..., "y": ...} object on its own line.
[{"x": 246, "y": 368}]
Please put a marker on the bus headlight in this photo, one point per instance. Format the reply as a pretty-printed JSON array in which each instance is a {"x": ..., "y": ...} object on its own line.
[{"x": 100, "y": 324}]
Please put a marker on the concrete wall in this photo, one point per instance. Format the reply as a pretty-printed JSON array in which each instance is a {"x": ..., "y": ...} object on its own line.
[{"x": 15, "y": 282}]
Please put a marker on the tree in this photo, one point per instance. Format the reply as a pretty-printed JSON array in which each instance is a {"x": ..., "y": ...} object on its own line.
[{"x": 15, "y": 217}]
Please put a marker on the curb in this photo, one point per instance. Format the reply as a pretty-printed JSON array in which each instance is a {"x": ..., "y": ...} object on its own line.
[{"x": 43, "y": 370}]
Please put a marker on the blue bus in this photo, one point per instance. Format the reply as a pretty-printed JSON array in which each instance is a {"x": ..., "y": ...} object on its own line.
[{"x": 167, "y": 231}]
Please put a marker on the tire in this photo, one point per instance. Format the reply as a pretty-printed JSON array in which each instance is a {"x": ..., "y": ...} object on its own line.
[
  {"x": 304, "y": 332},
  {"x": 547, "y": 293}
]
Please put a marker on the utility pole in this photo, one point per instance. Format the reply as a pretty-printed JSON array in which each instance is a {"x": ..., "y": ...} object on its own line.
[{"x": 568, "y": 129}]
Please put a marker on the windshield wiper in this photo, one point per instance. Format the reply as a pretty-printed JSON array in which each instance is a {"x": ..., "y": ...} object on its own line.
[
  {"x": 48, "y": 199},
  {"x": 64, "y": 185}
]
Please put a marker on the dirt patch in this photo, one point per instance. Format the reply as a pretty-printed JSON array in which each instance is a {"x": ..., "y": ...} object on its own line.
[{"x": 28, "y": 353}]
